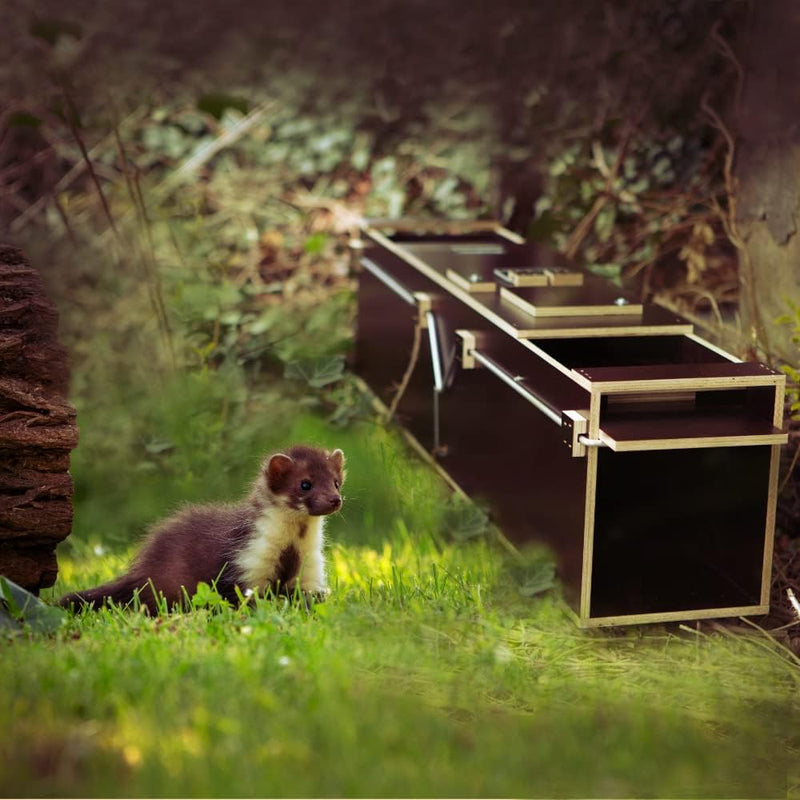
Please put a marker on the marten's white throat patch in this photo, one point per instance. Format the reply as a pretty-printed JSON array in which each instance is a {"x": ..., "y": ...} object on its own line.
[{"x": 285, "y": 547}]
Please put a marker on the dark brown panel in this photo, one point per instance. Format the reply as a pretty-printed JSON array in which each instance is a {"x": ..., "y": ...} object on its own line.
[
  {"x": 628, "y": 351},
  {"x": 504, "y": 452},
  {"x": 679, "y": 530}
]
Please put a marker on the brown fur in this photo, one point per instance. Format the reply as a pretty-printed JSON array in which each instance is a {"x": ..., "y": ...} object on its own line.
[{"x": 198, "y": 544}]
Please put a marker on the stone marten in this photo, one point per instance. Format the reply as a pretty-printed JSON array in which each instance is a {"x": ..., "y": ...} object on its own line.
[{"x": 270, "y": 541}]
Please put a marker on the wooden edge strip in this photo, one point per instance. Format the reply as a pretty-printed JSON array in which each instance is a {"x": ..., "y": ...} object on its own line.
[
  {"x": 590, "y": 333},
  {"x": 580, "y": 425},
  {"x": 607, "y": 310},
  {"x": 676, "y": 384},
  {"x": 692, "y": 443},
  {"x": 589, "y": 506},
  {"x": 780, "y": 400},
  {"x": 510, "y": 235},
  {"x": 473, "y": 288},
  {"x": 468, "y": 344},
  {"x": 769, "y": 531},
  {"x": 671, "y": 616}
]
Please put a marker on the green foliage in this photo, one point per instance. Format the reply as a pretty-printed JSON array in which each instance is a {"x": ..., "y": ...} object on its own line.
[
  {"x": 793, "y": 371},
  {"x": 464, "y": 520},
  {"x": 643, "y": 196},
  {"x": 206, "y": 596},
  {"x": 533, "y": 571},
  {"x": 21, "y": 611}
]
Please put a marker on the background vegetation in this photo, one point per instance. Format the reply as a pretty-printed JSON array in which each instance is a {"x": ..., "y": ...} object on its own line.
[{"x": 183, "y": 181}]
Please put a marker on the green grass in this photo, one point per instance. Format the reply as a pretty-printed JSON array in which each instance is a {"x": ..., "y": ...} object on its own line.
[{"x": 426, "y": 673}]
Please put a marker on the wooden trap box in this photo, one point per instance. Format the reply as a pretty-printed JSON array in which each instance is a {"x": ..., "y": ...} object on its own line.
[{"x": 643, "y": 456}]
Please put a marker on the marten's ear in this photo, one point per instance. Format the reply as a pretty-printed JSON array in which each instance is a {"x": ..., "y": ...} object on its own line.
[
  {"x": 337, "y": 460},
  {"x": 277, "y": 470}
]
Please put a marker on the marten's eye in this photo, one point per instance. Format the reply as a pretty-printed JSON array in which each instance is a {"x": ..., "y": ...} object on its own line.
[
  {"x": 305, "y": 485},
  {"x": 336, "y": 484}
]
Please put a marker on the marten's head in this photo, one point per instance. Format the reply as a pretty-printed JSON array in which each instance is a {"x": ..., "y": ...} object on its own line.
[{"x": 305, "y": 479}]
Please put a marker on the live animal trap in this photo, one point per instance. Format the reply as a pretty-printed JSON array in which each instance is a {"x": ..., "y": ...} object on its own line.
[{"x": 643, "y": 456}]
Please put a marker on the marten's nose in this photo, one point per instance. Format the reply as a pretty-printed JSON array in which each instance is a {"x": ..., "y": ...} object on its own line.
[{"x": 335, "y": 501}]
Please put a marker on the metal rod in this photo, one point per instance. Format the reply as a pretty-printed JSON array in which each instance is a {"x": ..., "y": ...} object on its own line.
[
  {"x": 436, "y": 428},
  {"x": 587, "y": 442},
  {"x": 433, "y": 338},
  {"x": 508, "y": 378},
  {"x": 388, "y": 280}
]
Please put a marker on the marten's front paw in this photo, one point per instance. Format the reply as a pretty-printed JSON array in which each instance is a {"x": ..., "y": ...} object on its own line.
[{"x": 310, "y": 598}]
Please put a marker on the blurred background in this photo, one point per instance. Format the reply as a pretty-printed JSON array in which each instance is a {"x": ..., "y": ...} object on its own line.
[{"x": 184, "y": 178}]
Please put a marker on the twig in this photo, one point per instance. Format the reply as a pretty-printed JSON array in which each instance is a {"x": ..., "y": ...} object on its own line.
[
  {"x": 788, "y": 477},
  {"x": 344, "y": 218},
  {"x": 730, "y": 224},
  {"x": 64, "y": 219},
  {"x": 205, "y": 153},
  {"x": 75, "y": 171},
  {"x": 789, "y": 653},
  {"x": 585, "y": 225},
  {"x": 72, "y": 116},
  {"x": 412, "y": 363},
  {"x": 724, "y": 47},
  {"x": 149, "y": 258}
]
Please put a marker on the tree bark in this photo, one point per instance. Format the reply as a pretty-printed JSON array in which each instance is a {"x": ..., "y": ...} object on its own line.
[
  {"x": 768, "y": 170},
  {"x": 37, "y": 428}
]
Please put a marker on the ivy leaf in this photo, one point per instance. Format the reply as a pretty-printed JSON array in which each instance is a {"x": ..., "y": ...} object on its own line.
[
  {"x": 316, "y": 372},
  {"x": 463, "y": 520},
  {"x": 155, "y": 447},
  {"x": 604, "y": 223},
  {"x": 17, "y": 605},
  {"x": 612, "y": 272},
  {"x": 315, "y": 244},
  {"x": 537, "y": 579},
  {"x": 533, "y": 572}
]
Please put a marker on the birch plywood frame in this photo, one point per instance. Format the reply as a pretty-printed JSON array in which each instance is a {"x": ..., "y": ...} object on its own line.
[
  {"x": 504, "y": 316},
  {"x": 678, "y": 377},
  {"x": 470, "y": 282},
  {"x": 663, "y": 447},
  {"x": 537, "y": 303},
  {"x": 687, "y": 432}
]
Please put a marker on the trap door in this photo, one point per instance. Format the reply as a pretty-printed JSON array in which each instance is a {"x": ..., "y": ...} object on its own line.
[{"x": 682, "y": 470}]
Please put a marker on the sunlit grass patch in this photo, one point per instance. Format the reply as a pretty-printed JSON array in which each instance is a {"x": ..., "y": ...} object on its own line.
[
  {"x": 438, "y": 666},
  {"x": 425, "y": 670}
]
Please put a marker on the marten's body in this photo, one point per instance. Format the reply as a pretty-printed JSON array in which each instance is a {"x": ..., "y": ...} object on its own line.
[{"x": 272, "y": 540}]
